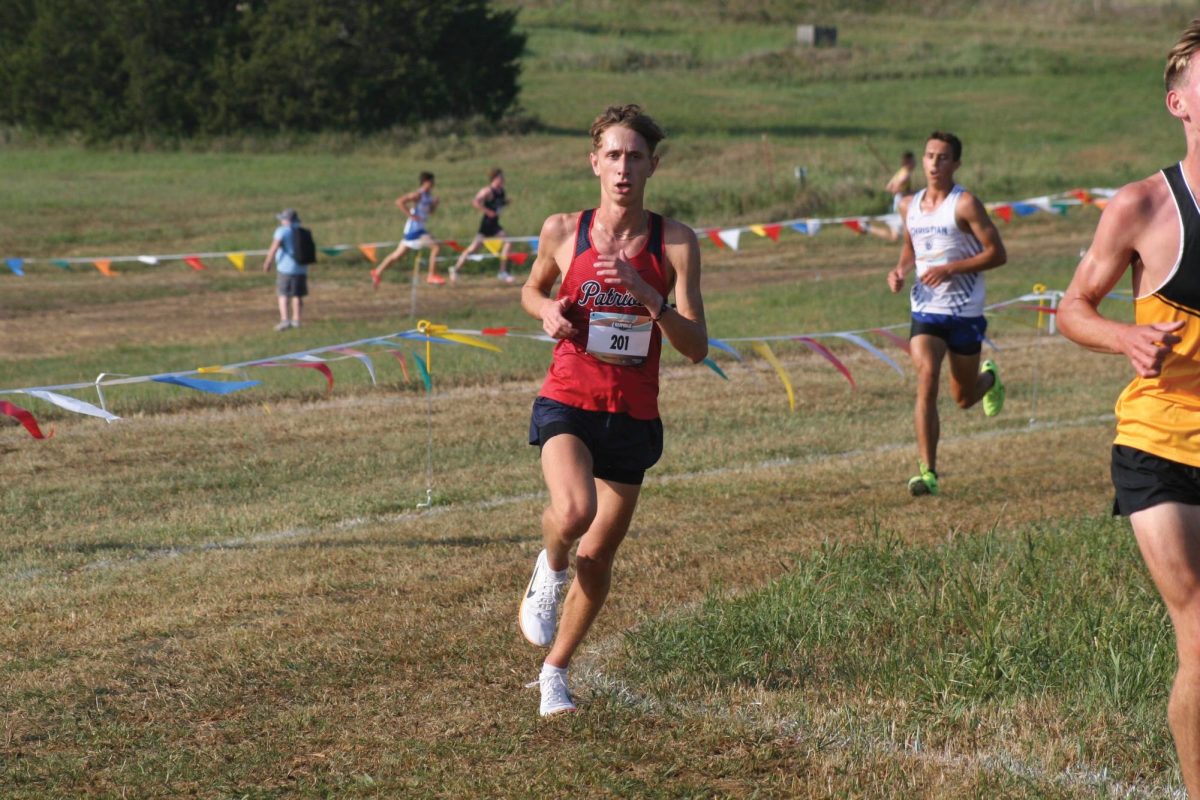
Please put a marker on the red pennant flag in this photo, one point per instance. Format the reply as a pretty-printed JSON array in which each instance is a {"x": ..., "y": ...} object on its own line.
[
  {"x": 772, "y": 231},
  {"x": 1081, "y": 195},
  {"x": 893, "y": 338},
  {"x": 817, "y": 347},
  {"x": 319, "y": 367},
  {"x": 105, "y": 267},
  {"x": 853, "y": 224},
  {"x": 368, "y": 250},
  {"x": 194, "y": 262},
  {"x": 25, "y": 419},
  {"x": 1040, "y": 309},
  {"x": 1004, "y": 213},
  {"x": 403, "y": 364},
  {"x": 455, "y": 246},
  {"x": 518, "y": 258},
  {"x": 715, "y": 235},
  {"x": 495, "y": 331}
]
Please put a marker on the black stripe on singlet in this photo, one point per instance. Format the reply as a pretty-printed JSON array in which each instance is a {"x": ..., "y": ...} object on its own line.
[
  {"x": 1183, "y": 289},
  {"x": 655, "y": 245},
  {"x": 583, "y": 238}
]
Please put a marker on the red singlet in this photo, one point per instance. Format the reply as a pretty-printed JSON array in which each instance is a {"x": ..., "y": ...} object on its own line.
[{"x": 620, "y": 373}]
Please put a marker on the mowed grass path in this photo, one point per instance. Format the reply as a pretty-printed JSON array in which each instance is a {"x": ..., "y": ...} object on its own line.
[{"x": 240, "y": 598}]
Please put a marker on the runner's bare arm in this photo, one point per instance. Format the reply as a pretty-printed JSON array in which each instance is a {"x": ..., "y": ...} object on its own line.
[
  {"x": 404, "y": 200},
  {"x": 556, "y": 236},
  {"x": 1112, "y": 252},
  {"x": 481, "y": 197},
  {"x": 908, "y": 258},
  {"x": 685, "y": 327}
]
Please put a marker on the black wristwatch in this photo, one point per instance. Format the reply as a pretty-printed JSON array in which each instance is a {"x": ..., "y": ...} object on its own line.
[{"x": 661, "y": 311}]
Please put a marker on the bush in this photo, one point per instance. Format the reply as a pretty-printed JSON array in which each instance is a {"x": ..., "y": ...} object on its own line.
[{"x": 120, "y": 67}]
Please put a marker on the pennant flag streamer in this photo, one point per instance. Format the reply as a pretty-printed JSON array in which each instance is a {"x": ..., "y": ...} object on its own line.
[
  {"x": 764, "y": 350},
  {"x": 717, "y": 343},
  {"x": 364, "y": 358},
  {"x": 731, "y": 237},
  {"x": 533, "y": 244},
  {"x": 426, "y": 378},
  {"x": 715, "y": 236},
  {"x": 368, "y": 250},
  {"x": 872, "y": 349},
  {"x": 855, "y": 225},
  {"x": 494, "y": 331},
  {"x": 337, "y": 250},
  {"x": 454, "y": 245},
  {"x": 493, "y": 245},
  {"x": 24, "y": 417},
  {"x": 769, "y": 231},
  {"x": 708, "y": 362},
  {"x": 201, "y": 385},
  {"x": 151, "y": 260},
  {"x": 518, "y": 258},
  {"x": 1025, "y": 209},
  {"x": 893, "y": 338},
  {"x": 61, "y": 264},
  {"x": 817, "y": 347},
  {"x": 105, "y": 267},
  {"x": 1004, "y": 212},
  {"x": 71, "y": 404},
  {"x": 238, "y": 260},
  {"x": 399, "y": 354},
  {"x": 194, "y": 262},
  {"x": 434, "y": 332},
  {"x": 16, "y": 264}
]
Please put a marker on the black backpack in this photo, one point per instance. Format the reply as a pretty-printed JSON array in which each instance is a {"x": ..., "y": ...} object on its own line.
[{"x": 305, "y": 249}]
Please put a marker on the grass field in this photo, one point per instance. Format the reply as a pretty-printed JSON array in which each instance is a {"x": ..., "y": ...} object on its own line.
[{"x": 239, "y": 597}]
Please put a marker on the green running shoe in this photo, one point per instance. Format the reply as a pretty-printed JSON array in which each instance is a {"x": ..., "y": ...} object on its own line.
[
  {"x": 993, "y": 398},
  {"x": 925, "y": 483}
]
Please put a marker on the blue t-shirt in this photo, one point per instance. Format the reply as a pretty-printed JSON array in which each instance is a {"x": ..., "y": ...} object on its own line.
[{"x": 283, "y": 256}]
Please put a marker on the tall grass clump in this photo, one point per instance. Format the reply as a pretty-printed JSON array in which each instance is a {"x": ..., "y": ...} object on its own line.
[{"x": 1057, "y": 609}]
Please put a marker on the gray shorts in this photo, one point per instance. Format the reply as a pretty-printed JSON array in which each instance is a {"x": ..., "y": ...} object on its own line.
[{"x": 291, "y": 285}]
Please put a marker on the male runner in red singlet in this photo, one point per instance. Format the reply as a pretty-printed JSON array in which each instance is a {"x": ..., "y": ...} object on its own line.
[
  {"x": 596, "y": 417},
  {"x": 1153, "y": 226}
]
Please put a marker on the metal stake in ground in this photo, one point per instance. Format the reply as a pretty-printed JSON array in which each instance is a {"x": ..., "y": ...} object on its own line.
[{"x": 415, "y": 277}]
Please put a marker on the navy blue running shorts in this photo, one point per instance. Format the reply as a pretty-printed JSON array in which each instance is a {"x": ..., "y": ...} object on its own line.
[
  {"x": 1143, "y": 480},
  {"x": 622, "y": 447},
  {"x": 963, "y": 335}
]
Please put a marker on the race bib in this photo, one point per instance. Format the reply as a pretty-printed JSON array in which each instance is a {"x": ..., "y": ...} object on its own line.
[{"x": 619, "y": 338}]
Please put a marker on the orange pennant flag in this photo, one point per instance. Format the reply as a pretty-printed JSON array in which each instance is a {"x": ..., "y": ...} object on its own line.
[
  {"x": 239, "y": 260},
  {"x": 715, "y": 235},
  {"x": 1100, "y": 202},
  {"x": 194, "y": 262},
  {"x": 1004, "y": 213},
  {"x": 105, "y": 267},
  {"x": 368, "y": 250}
]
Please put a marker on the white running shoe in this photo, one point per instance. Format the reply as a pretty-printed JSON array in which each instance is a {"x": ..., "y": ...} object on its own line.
[
  {"x": 556, "y": 699},
  {"x": 505, "y": 276},
  {"x": 538, "y": 617}
]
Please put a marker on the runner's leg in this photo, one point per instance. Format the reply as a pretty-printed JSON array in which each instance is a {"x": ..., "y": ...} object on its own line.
[
  {"x": 1168, "y": 535},
  {"x": 927, "y": 354}
]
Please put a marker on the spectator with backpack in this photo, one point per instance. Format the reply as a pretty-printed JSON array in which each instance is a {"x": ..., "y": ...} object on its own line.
[{"x": 292, "y": 250}]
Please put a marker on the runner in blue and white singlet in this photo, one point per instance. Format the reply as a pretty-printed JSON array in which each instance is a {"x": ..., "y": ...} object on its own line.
[
  {"x": 414, "y": 228},
  {"x": 949, "y": 241},
  {"x": 937, "y": 240}
]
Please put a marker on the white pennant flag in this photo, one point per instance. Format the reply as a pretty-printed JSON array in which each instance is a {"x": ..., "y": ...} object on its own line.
[
  {"x": 71, "y": 404},
  {"x": 731, "y": 237},
  {"x": 151, "y": 260}
]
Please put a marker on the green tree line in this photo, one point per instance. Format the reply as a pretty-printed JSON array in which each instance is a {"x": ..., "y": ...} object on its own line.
[{"x": 144, "y": 67}]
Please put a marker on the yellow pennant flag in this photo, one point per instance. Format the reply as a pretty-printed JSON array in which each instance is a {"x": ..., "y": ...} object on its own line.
[
  {"x": 493, "y": 245},
  {"x": 759, "y": 230},
  {"x": 239, "y": 260},
  {"x": 764, "y": 350}
]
